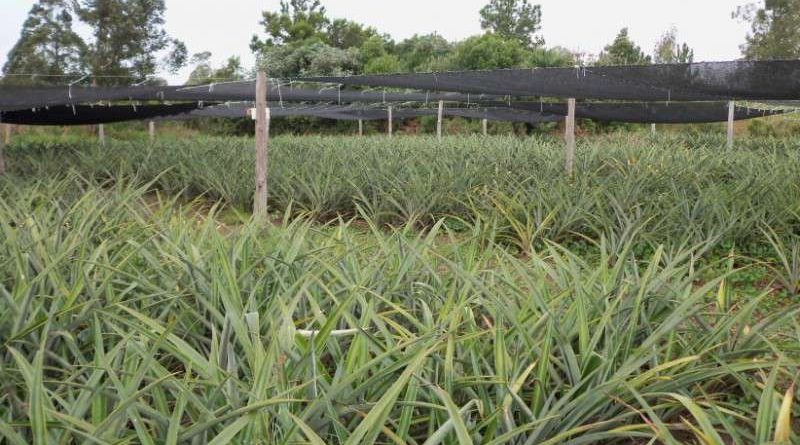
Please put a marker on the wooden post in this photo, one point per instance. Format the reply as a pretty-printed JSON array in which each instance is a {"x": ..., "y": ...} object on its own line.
[
  {"x": 485, "y": 126},
  {"x": 262, "y": 145},
  {"x": 570, "y": 136},
  {"x": 7, "y": 131},
  {"x": 390, "y": 122},
  {"x": 361, "y": 127},
  {"x": 439, "y": 117},
  {"x": 2, "y": 154},
  {"x": 151, "y": 128},
  {"x": 101, "y": 134},
  {"x": 652, "y": 129},
  {"x": 731, "y": 115}
]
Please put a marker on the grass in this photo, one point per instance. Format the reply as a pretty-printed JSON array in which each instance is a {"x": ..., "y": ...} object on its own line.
[{"x": 468, "y": 320}]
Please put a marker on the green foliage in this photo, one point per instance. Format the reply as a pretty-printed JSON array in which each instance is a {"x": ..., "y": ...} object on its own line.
[
  {"x": 388, "y": 63},
  {"x": 297, "y": 21},
  {"x": 669, "y": 50},
  {"x": 421, "y": 52},
  {"x": 488, "y": 51},
  {"x": 347, "y": 34},
  {"x": 48, "y": 45},
  {"x": 672, "y": 189},
  {"x": 129, "y": 318},
  {"x": 312, "y": 59},
  {"x": 623, "y": 51},
  {"x": 128, "y": 36},
  {"x": 551, "y": 58},
  {"x": 775, "y": 29},
  {"x": 204, "y": 73},
  {"x": 513, "y": 19}
]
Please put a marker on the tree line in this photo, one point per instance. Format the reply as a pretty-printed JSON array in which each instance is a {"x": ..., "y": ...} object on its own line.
[{"x": 128, "y": 42}]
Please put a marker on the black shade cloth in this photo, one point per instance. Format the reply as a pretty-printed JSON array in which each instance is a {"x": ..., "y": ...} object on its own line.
[
  {"x": 245, "y": 91},
  {"x": 740, "y": 80},
  {"x": 91, "y": 115},
  {"x": 17, "y": 98},
  {"x": 650, "y": 112},
  {"x": 349, "y": 113}
]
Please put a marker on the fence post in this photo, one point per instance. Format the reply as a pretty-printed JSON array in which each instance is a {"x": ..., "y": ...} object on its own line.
[
  {"x": 652, "y": 129},
  {"x": 262, "y": 145},
  {"x": 3, "y": 142},
  {"x": 361, "y": 127},
  {"x": 101, "y": 134},
  {"x": 151, "y": 128},
  {"x": 485, "y": 126},
  {"x": 439, "y": 118},
  {"x": 570, "y": 136},
  {"x": 731, "y": 115},
  {"x": 391, "y": 129}
]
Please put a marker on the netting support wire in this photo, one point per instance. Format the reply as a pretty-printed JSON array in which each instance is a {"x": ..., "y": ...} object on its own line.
[
  {"x": 731, "y": 115},
  {"x": 389, "y": 109},
  {"x": 570, "y": 137},
  {"x": 69, "y": 91},
  {"x": 262, "y": 145},
  {"x": 439, "y": 118}
]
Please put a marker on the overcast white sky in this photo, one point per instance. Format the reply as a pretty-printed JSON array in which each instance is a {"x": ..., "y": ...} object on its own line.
[{"x": 225, "y": 27}]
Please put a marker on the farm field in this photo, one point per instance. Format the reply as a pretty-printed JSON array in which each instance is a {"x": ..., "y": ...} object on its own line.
[{"x": 403, "y": 291}]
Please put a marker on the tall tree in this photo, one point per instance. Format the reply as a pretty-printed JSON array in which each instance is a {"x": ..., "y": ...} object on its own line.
[
  {"x": 297, "y": 21},
  {"x": 668, "y": 50},
  {"x": 204, "y": 73},
  {"x": 489, "y": 51},
  {"x": 419, "y": 53},
  {"x": 513, "y": 19},
  {"x": 128, "y": 37},
  {"x": 775, "y": 29},
  {"x": 623, "y": 51},
  {"x": 343, "y": 34},
  {"x": 47, "y": 45}
]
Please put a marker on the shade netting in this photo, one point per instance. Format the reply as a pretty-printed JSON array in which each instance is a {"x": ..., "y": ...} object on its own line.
[
  {"x": 91, "y": 115},
  {"x": 739, "y": 80}
]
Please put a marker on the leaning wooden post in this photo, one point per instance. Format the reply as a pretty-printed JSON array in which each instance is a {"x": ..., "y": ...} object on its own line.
[
  {"x": 570, "y": 136},
  {"x": 390, "y": 122},
  {"x": 262, "y": 145},
  {"x": 101, "y": 134},
  {"x": 151, "y": 129},
  {"x": 731, "y": 116},
  {"x": 485, "y": 126},
  {"x": 2, "y": 154},
  {"x": 361, "y": 127},
  {"x": 439, "y": 117}
]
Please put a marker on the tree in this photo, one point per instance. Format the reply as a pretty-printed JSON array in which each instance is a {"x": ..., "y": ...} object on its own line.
[
  {"x": 513, "y": 19},
  {"x": 310, "y": 59},
  {"x": 668, "y": 50},
  {"x": 419, "y": 53},
  {"x": 775, "y": 30},
  {"x": 128, "y": 36},
  {"x": 551, "y": 58},
  {"x": 488, "y": 51},
  {"x": 297, "y": 21},
  {"x": 623, "y": 51},
  {"x": 47, "y": 45},
  {"x": 345, "y": 34},
  {"x": 204, "y": 73}
]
